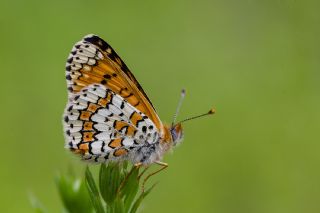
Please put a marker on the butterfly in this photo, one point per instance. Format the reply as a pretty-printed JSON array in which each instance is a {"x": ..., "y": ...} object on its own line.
[{"x": 108, "y": 116}]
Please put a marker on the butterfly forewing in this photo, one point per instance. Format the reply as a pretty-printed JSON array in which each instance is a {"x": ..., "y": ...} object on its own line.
[{"x": 93, "y": 61}]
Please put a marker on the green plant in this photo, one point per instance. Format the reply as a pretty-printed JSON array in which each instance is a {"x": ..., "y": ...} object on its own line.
[{"x": 117, "y": 190}]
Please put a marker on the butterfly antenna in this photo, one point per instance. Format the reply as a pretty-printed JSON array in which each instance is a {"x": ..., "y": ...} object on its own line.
[
  {"x": 183, "y": 94},
  {"x": 211, "y": 112}
]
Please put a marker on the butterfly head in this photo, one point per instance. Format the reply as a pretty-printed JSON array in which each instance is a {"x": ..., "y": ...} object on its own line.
[{"x": 176, "y": 133}]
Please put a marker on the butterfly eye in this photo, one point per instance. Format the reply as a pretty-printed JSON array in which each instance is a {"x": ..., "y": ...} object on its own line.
[{"x": 176, "y": 133}]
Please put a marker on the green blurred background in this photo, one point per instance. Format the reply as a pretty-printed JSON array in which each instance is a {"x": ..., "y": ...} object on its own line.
[{"x": 256, "y": 62}]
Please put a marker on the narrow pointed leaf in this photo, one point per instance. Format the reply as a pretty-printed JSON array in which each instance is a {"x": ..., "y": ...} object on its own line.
[
  {"x": 74, "y": 194},
  {"x": 118, "y": 205},
  {"x": 110, "y": 209},
  {"x": 130, "y": 188},
  {"x": 125, "y": 165},
  {"x": 93, "y": 192},
  {"x": 104, "y": 177},
  {"x": 109, "y": 181},
  {"x": 140, "y": 198}
]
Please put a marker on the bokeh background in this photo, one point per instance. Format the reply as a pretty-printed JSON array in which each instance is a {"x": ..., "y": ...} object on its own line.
[{"x": 256, "y": 62}]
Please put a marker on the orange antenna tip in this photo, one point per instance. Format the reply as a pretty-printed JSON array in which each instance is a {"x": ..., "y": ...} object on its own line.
[{"x": 212, "y": 111}]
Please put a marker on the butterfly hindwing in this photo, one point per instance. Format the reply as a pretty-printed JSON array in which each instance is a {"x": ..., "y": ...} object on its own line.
[{"x": 101, "y": 125}]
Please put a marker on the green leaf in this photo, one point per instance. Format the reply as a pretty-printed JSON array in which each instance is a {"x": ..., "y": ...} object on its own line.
[
  {"x": 125, "y": 165},
  {"x": 74, "y": 194},
  {"x": 109, "y": 181},
  {"x": 118, "y": 188},
  {"x": 104, "y": 176},
  {"x": 140, "y": 198},
  {"x": 93, "y": 192},
  {"x": 118, "y": 205},
  {"x": 130, "y": 187}
]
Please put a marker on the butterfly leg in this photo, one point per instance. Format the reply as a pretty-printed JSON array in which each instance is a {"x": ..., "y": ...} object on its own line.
[
  {"x": 163, "y": 166},
  {"x": 144, "y": 171}
]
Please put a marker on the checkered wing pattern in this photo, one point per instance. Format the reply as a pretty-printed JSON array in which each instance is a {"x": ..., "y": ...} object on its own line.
[
  {"x": 101, "y": 125},
  {"x": 108, "y": 115}
]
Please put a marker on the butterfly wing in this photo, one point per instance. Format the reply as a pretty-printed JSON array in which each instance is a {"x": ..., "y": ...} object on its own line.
[
  {"x": 101, "y": 125},
  {"x": 93, "y": 60}
]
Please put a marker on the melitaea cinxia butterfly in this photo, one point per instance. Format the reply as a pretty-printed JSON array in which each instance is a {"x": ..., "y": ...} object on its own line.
[{"x": 108, "y": 116}]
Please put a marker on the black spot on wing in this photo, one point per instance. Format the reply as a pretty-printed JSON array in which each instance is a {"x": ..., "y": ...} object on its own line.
[
  {"x": 144, "y": 129},
  {"x": 66, "y": 119},
  {"x": 122, "y": 105},
  {"x": 107, "y": 76},
  {"x": 90, "y": 148},
  {"x": 107, "y": 156},
  {"x": 139, "y": 121}
]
